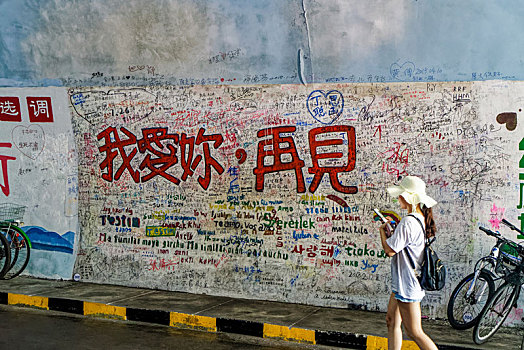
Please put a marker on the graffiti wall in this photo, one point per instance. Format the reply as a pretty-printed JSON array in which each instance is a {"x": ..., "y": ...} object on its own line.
[
  {"x": 38, "y": 170},
  {"x": 267, "y": 191}
]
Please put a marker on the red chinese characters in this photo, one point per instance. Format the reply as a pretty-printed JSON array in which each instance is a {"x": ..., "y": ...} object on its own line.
[
  {"x": 161, "y": 150},
  {"x": 348, "y": 133},
  {"x": 4, "y": 184},
  {"x": 156, "y": 161},
  {"x": 277, "y": 147},
  {"x": 40, "y": 109},
  {"x": 113, "y": 147},
  {"x": 272, "y": 148},
  {"x": 10, "y": 109},
  {"x": 209, "y": 160},
  {"x": 332, "y": 148},
  {"x": 398, "y": 160}
]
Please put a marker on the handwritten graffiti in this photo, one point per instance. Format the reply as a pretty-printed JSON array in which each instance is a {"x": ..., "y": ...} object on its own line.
[
  {"x": 120, "y": 221},
  {"x": 325, "y": 107},
  {"x": 496, "y": 216},
  {"x": 397, "y": 159},
  {"x": 3, "y": 163},
  {"x": 168, "y": 264}
]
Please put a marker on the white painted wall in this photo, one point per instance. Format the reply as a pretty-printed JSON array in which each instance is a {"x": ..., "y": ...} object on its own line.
[{"x": 446, "y": 133}]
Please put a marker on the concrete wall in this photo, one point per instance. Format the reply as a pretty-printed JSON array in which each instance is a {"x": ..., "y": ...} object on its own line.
[
  {"x": 38, "y": 170},
  {"x": 71, "y": 43},
  {"x": 134, "y": 87},
  {"x": 267, "y": 192}
]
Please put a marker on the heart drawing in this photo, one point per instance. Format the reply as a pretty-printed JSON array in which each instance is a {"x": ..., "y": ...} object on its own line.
[
  {"x": 508, "y": 118},
  {"x": 325, "y": 107},
  {"x": 404, "y": 72},
  {"x": 29, "y": 140}
]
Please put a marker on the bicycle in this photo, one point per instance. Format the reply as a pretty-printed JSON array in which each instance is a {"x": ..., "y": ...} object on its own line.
[
  {"x": 472, "y": 293},
  {"x": 506, "y": 296},
  {"x": 17, "y": 240}
]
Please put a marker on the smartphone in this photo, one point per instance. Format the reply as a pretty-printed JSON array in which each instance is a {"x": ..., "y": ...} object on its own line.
[
  {"x": 389, "y": 225},
  {"x": 380, "y": 215}
]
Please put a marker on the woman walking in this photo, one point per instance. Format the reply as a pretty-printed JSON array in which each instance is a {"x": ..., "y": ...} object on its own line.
[{"x": 405, "y": 245}]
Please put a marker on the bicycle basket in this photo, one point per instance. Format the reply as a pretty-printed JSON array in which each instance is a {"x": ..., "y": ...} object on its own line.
[
  {"x": 11, "y": 212},
  {"x": 509, "y": 255}
]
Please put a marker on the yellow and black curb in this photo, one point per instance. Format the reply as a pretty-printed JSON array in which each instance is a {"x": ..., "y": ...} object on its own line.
[{"x": 206, "y": 323}]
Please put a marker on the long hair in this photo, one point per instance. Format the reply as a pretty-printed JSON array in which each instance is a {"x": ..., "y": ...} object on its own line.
[{"x": 431, "y": 227}]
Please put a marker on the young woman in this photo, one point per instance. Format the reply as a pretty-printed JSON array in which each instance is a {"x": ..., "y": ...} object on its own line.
[{"x": 408, "y": 238}]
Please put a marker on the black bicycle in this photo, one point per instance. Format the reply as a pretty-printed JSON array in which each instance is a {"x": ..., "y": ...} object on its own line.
[
  {"x": 499, "y": 305},
  {"x": 473, "y": 292}
]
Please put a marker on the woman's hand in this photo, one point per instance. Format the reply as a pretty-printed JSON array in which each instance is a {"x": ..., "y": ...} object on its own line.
[
  {"x": 385, "y": 233},
  {"x": 386, "y": 227}
]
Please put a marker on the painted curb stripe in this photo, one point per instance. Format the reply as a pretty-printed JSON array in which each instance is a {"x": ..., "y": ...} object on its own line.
[
  {"x": 290, "y": 334},
  {"x": 27, "y": 300},
  {"x": 66, "y": 305},
  {"x": 381, "y": 343},
  {"x": 104, "y": 311},
  {"x": 175, "y": 319},
  {"x": 181, "y": 320},
  {"x": 377, "y": 343},
  {"x": 340, "y": 339},
  {"x": 150, "y": 316},
  {"x": 255, "y": 329}
]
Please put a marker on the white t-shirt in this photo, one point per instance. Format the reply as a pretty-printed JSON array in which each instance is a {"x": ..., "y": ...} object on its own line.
[{"x": 408, "y": 235}]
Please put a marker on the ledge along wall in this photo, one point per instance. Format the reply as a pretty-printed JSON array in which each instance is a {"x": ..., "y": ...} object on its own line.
[{"x": 266, "y": 192}]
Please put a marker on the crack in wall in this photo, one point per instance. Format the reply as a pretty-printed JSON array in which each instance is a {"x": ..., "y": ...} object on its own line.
[{"x": 300, "y": 53}]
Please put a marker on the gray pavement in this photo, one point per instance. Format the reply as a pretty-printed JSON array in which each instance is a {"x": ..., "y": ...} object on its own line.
[
  {"x": 327, "y": 326},
  {"x": 32, "y": 329}
]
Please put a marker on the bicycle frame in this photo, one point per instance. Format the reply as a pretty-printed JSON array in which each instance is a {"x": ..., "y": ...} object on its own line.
[
  {"x": 14, "y": 225},
  {"x": 515, "y": 275},
  {"x": 489, "y": 260}
]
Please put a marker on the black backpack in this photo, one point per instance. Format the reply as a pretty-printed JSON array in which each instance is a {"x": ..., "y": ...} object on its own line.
[{"x": 432, "y": 271}]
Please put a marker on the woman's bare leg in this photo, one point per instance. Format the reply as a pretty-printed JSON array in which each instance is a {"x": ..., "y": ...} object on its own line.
[
  {"x": 394, "y": 322},
  {"x": 411, "y": 317}
]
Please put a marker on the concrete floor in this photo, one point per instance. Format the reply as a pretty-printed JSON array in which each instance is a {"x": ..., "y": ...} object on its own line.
[
  {"x": 342, "y": 322},
  {"x": 28, "y": 329}
]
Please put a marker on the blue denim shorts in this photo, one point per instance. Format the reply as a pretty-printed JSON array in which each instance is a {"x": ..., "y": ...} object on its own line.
[{"x": 405, "y": 300}]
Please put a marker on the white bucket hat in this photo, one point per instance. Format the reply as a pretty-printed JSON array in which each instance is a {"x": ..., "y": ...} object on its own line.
[{"x": 413, "y": 190}]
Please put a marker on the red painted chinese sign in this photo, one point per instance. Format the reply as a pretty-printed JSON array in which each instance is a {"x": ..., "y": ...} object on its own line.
[{"x": 277, "y": 152}]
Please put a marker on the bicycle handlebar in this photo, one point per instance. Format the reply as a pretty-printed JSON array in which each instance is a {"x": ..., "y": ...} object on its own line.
[
  {"x": 489, "y": 232},
  {"x": 502, "y": 238},
  {"x": 511, "y": 226}
]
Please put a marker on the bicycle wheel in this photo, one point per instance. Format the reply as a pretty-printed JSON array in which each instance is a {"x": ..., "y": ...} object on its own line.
[
  {"x": 20, "y": 250},
  {"x": 495, "y": 312},
  {"x": 464, "y": 309},
  {"x": 5, "y": 256}
]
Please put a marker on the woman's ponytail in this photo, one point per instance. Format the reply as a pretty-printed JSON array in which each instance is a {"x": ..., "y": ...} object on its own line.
[{"x": 431, "y": 227}]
